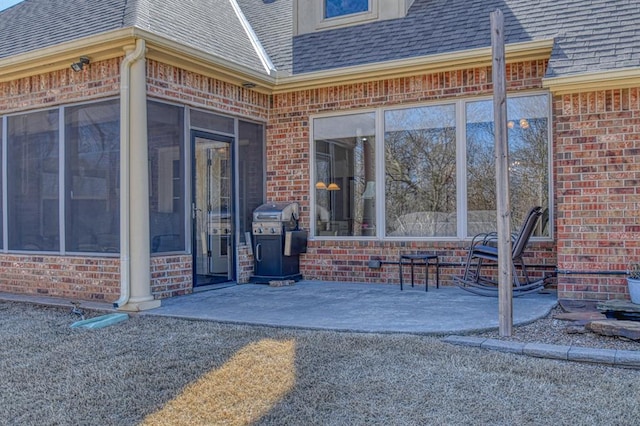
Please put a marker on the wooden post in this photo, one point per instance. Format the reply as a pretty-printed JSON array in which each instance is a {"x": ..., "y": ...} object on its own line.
[{"x": 503, "y": 208}]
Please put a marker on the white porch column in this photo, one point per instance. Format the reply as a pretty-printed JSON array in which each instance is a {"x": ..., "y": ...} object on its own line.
[{"x": 139, "y": 250}]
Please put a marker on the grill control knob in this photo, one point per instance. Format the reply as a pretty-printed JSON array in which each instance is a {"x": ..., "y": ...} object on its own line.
[{"x": 273, "y": 230}]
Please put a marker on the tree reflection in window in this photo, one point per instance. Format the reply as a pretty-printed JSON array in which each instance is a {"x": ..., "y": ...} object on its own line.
[
  {"x": 420, "y": 171},
  {"x": 527, "y": 125}
]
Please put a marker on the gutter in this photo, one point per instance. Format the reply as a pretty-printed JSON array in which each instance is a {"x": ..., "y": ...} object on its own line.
[
  {"x": 108, "y": 45},
  {"x": 593, "y": 81},
  {"x": 125, "y": 142},
  {"x": 536, "y": 49}
]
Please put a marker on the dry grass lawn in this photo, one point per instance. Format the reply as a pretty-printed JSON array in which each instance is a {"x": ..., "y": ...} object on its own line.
[{"x": 151, "y": 370}]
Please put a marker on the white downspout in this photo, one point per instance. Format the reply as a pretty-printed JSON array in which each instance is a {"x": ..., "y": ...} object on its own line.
[{"x": 125, "y": 141}]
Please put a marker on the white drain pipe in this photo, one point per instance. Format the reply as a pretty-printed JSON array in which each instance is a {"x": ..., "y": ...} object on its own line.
[{"x": 131, "y": 56}]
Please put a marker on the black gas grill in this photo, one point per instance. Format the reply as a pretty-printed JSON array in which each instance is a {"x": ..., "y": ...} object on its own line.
[{"x": 277, "y": 242}]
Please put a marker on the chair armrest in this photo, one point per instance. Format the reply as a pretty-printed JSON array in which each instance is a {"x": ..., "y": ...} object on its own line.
[{"x": 479, "y": 239}]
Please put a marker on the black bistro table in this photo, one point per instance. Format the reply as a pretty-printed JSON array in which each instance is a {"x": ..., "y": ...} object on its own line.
[{"x": 420, "y": 259}]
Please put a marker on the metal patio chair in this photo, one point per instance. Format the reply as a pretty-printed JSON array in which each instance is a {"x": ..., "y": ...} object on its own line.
[{"x": 484, "y": 249}]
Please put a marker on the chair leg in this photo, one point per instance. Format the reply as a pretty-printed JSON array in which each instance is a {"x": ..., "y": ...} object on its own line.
[
  {"x": 411, "y": 272},
  {"x": 478, "y": 268},
  {"x": 426, "y": 275},
  {"x": 468, "y": 265},
  {"x": 524, "y": 272}
]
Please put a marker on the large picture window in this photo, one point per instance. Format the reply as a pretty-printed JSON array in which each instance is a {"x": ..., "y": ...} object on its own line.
[
  {"x": 527, "y": 125},
  {"x": 420, "y": 171},
  {"x": 92, "y": 151},
  {"x": 345, "y": 175},
  {"x": 437, "y": 179},
  {"x": 32, "y": 181}
]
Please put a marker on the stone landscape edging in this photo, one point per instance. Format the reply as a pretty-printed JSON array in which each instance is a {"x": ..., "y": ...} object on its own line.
[{"x": 614, "y": 357}]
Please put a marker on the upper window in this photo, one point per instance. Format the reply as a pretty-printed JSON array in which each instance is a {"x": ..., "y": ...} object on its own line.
[
  {"x": 335, "y": 8},
  {"x": 311, "y": 16}
]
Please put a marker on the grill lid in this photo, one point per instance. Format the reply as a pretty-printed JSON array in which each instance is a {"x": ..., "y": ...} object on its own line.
[{"x": 281, "y": 212}]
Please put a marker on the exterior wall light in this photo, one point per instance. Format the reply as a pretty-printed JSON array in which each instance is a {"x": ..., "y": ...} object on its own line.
[{"x": 78, "y": 66}]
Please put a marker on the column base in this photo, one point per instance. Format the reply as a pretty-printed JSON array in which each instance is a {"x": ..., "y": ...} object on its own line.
[{"x": 137, "y": 306}]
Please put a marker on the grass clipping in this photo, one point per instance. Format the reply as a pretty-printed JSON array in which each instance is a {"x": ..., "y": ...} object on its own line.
[{"x": 240, "y": 392}]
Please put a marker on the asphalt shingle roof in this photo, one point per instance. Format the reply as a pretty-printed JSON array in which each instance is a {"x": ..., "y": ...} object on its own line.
[
  {"x": 589, "y": 35},
  {"x": 211, "y": 26},
  {"x": 272, "y": 21},
  {"x": 208, "y": 25},
  {"x": 35, "y": 24}
]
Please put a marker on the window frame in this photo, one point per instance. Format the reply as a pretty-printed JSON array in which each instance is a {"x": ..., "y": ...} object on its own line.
[
  {"x": 59, "y": 183},
  {"x": 345, "y": 20},
  {"x": 61, "y": 251},
  {"x": 312, "y": 170},
  {"x": 324, "y": 11},
  {"x": 186, "y": 186},
  {"x": 461, "y": 168},
  {"x": 65, "y": 169}
]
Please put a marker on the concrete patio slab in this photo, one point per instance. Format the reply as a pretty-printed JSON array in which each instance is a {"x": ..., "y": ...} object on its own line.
[{"x": 379, "y": 308}]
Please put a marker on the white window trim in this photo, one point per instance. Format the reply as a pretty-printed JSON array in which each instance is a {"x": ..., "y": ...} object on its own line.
[{"x": 461, "y": 175}]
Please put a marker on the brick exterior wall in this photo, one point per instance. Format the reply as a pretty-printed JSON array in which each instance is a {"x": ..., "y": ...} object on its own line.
[
  {"x": 245, "y": 264},
  {"x": 99, "y": 80},
  {"x": 73, "y": 277},
  {"x": 288, "y": 165},
  {"x": 171, "y": 276},
  {"x": 596, "y": 148},
  {"x": 188, "y": 88},
  {"x": 597, "y": 177}
]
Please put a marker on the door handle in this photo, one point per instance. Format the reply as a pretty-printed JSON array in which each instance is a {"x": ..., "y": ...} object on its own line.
[{"x": 258, "y": 252}]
